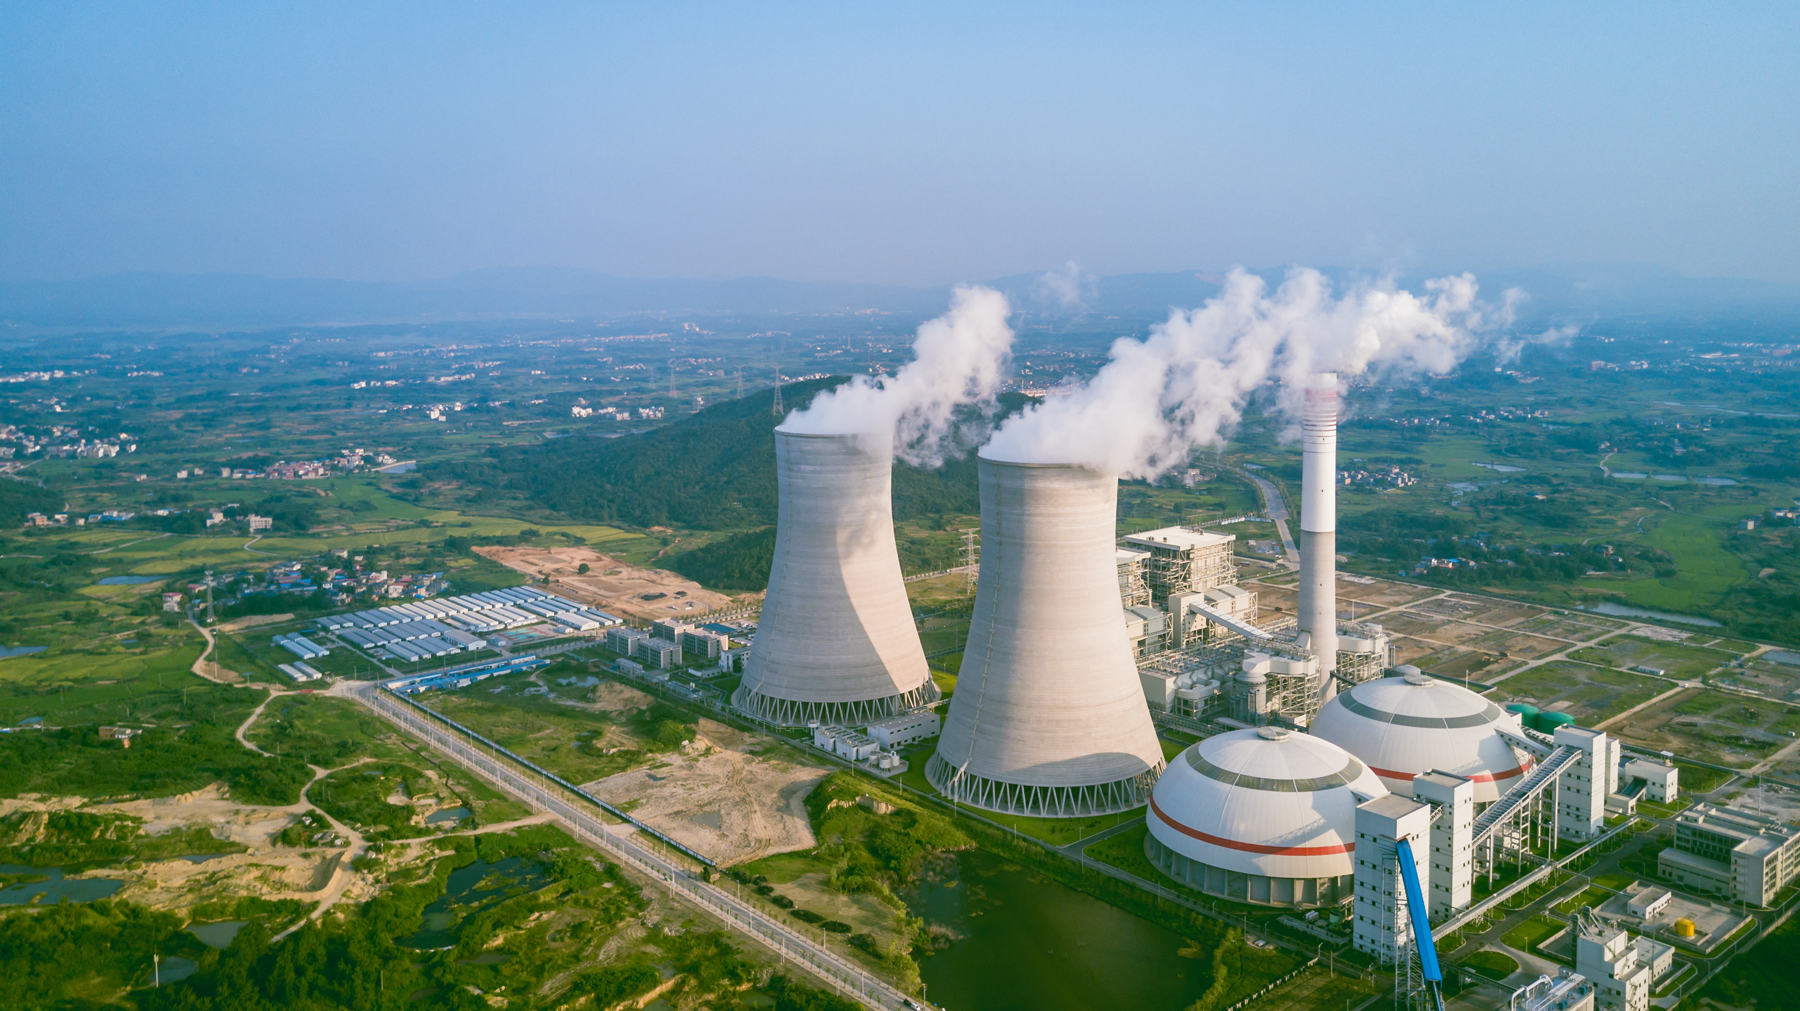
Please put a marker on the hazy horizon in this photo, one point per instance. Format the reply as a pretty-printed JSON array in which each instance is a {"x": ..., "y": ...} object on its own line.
[{"x": 913, "y": 147}]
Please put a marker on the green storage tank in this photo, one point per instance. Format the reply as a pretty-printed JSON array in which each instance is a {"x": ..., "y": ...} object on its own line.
[
  {"x": 1548, "y": 722},
  {"x": 1527, "y": 714}
]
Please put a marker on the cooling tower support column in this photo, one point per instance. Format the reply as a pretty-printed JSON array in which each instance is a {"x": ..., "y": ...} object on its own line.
[
  {"x": 1318, "y": 523},
  {"x": 1048, "y": 718},
  {"x": 836, "y": 642}
]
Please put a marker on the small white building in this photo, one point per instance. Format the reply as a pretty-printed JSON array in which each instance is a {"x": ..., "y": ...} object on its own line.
[
  {"x": 843, "y": 742},
  {"x": 854, "y": 746},
  {"x": 1662, "y": 782},
  {"x": 906, "y": 728},
  {"x": 1650, "y": 902},
  {"x": 260, "y": 522}
]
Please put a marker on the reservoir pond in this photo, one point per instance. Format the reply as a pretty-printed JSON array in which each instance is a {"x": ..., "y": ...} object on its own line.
[{"x": 1026, "y": 943}]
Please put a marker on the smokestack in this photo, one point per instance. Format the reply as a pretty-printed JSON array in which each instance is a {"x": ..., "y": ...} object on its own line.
[
  {"x": 1318, "y": 522},
  {"x": 836, "y": 642},
  {"x": 1048, "y": 718}
]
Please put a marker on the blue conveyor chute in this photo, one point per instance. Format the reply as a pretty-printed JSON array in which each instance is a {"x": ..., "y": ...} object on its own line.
[{"x": 1421, "y": 923}]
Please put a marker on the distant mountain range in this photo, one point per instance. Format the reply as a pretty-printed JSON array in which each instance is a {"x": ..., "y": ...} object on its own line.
[{"x": 241, "y": 300}]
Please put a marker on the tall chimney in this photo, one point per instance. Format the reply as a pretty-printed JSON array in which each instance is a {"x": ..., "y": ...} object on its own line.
[
  {"x": 1318, "y": 522},
  {"x": 1048, "y": 718},
  {"x": 836, "y": 641}
]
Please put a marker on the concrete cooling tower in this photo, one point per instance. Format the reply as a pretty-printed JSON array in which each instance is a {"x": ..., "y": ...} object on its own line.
[
  {"x": 836, "y": 642},
  {"x": 1262, "y": 816},
  {"x": 1048, "y": 717},
  {"x": 1403, "y": 726}
]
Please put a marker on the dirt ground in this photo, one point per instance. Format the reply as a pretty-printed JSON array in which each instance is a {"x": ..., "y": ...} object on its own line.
[
  {"x": 179, "y": 883},
  {"x": 238, "y": 625},
  {"x": 723, "y": 800},
  {"x": 609, "y": 584}
]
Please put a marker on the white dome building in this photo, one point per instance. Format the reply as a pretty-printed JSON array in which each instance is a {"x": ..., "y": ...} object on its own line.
[
  {"x": 1266, "y": 816},
  {"x": 1402, "y": 726}
]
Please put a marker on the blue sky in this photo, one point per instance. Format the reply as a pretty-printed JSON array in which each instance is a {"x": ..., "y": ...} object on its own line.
[{"x": 907, "y": 143}]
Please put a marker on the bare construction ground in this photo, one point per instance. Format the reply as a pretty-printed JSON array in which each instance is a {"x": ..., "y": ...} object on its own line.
[
  {"x": 725, "y": 798},
  {"x": 610, "y": 584}
]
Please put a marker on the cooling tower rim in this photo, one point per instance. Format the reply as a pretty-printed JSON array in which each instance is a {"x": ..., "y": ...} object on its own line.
[
  {"x": 790, "y": 433},
  {"x": 981, "y": 455}
]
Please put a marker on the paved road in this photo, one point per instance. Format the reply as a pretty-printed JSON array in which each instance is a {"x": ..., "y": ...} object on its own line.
[
  {"x": 1277, "y": 512},
  {"x": 584, "y": 823}
]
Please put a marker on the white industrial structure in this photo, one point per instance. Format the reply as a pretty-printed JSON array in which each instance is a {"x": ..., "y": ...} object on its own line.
[
  {"x": 836, "y": 641},
  {"x": 1318, "y": 527},
  {"x": 1403, "y": 726},
  {"x": 1048, "y": 716},
  {"x": 1263, "y": 816}
]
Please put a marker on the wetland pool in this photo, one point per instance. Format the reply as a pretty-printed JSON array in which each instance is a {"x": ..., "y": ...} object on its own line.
[{"x": 1026, "y": 942}]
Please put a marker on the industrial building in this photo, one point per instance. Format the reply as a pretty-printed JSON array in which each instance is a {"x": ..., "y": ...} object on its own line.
[
  {"x": 1180, "y": 560},
  {"x": 1622, "y": 969},
  {"x": 1727, "y": 851},
  {"x": 836, "y": 641},
  {"x": 1263, "y": 816},
  {"x": 1048, "y": 717},
  {"x": 898, "y": 731}
]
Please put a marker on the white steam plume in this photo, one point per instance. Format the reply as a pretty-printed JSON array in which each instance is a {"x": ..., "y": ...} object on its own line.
[
  {"x": 958, "y": 360},
  {"x": 1183, "y": 387}
]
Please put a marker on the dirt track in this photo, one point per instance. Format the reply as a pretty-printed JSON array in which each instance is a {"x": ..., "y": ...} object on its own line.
[{"x": 609, "y": 584}]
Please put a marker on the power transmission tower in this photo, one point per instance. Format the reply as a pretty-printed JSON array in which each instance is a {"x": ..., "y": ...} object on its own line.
[
  {"x": 777, "y": 411},
  {"x": 671, "y": 379},
  {"x": 971, "y": 558},
  {"x": 209, "y": 601},
  {"x": 740, "y": 392}
]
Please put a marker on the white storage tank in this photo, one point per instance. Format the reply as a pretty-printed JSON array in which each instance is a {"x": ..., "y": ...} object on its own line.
[
  {"x": 1264, "y": 816},
  {"x": 1402, "y": 726}
]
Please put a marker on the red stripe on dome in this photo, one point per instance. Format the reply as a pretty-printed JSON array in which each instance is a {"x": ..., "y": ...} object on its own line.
[
  {"x": 1480, "y": 777},
  {"x": 1286, "y": 851}
]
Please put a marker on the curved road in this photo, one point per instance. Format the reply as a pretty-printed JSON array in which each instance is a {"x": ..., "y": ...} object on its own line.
[{"x": 1277, "y": 511}]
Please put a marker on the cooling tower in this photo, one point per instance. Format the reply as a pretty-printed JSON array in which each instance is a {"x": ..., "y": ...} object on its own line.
[
  {"x": 836, "y": 641},
  {"x": 1318, "y": 522},
  {"x": 1048, "y": 717}
]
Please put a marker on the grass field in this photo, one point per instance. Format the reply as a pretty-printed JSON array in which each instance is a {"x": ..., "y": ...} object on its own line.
[
  {"x": 1491, "y": 963},
  {"x": 1533, "y": 932},
  {"x": 1674, "y": 659},
  {"x": 1588, "y": 693}
]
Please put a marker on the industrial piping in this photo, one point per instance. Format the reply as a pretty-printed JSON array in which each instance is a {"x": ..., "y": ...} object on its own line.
[
  {"x": 1318, "y": 525},
  {"x": 836, "y": 641},
  {"x": 1048, "y": 718}
]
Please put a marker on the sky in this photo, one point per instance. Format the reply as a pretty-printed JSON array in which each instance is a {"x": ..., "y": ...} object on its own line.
[{"x": 910, "y": 143}]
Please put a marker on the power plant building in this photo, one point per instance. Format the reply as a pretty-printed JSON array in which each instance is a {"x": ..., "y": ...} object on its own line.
[
  {"x": 1048, "y": 718},
  {"x": 836, "y": 642},
  {"x": 1263, "y": 816},
  {"x": 1183, "y": 560}
]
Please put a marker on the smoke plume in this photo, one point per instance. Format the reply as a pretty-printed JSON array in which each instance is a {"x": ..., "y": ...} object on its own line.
[
  {"x": 958, "y": 360},
  {"x": 1159, "y": 399}
]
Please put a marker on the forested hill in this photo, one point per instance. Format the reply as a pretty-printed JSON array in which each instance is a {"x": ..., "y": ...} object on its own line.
[{"x": 714, "y": 470}]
